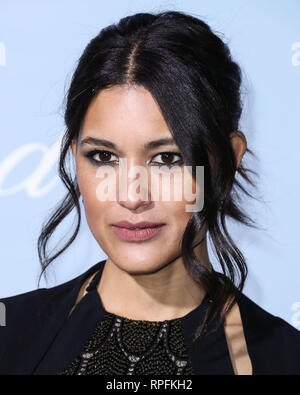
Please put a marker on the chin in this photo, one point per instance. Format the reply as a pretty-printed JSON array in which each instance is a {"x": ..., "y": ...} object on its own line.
[{"x": 134, "y": 266}]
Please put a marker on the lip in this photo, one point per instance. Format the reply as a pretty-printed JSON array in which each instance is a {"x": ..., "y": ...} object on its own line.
[
  {"x": 125, "y": 230},
  {"x": 141, "y": 224},
  {"x": 137, "y": 235}
]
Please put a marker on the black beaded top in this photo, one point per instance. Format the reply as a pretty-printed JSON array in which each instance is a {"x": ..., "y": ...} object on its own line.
[{"x": 124, "y": 346}]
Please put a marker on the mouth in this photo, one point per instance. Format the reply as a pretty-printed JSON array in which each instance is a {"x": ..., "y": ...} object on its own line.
[{"x": 140, "y": 231}]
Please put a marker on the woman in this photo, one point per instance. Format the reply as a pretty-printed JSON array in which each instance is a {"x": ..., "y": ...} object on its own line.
[{"x": 155, "y": 91}]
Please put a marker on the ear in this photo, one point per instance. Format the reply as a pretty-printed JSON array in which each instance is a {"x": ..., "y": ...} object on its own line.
[
  {"x": 73, "y": 147},
  {"x": 239, "y": 145}
]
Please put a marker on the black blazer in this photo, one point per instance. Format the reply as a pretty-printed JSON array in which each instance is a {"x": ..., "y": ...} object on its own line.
[{"x": 33, "y": 320}]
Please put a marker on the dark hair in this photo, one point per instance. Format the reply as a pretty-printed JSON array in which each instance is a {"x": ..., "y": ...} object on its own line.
[{"x": 190, "y": 73}]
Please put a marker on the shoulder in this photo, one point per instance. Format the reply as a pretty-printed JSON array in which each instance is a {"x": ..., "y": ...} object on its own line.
[
  {"x": 32, "y": 320},
  {"x": 258, "y": 320},
  {"x": 28, "y": 303},
  {"x": 273, "y": 344}
]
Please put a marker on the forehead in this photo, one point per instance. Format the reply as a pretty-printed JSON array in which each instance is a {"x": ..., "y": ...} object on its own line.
[{"x": 124, "y": 111}]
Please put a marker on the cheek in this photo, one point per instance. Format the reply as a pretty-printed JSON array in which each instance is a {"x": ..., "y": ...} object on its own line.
[
  {"x": 186, "y": 192},
  {"x": 88, "y": 183},
  {"x": 87, "y": 180},
  {"x": 177, "y": 215}
]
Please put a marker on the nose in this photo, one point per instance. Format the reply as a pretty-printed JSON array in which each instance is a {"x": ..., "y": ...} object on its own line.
[
  {"x": 134, "y": 191},
  {"x": 134, "y": 205}
]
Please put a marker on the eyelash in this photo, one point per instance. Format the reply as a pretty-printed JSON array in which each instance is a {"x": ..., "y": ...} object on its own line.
[{"x": 90, "y": 155}]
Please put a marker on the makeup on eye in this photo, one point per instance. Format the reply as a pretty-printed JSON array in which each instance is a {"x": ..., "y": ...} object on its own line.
[{"x": 167, "y": 154}]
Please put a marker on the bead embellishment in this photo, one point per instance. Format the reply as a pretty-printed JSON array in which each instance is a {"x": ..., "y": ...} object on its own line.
[{"x": 120, "y": 345}]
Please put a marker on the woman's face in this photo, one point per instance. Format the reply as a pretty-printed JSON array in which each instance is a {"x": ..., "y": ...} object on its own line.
[{"x": 129, "y": 118}]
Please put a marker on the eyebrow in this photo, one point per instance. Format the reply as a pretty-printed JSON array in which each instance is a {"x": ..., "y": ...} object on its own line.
[{"x": 109, "y": 144}]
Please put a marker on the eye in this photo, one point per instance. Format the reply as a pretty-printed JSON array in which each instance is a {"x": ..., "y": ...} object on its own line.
[
  {"x": 104, "y": 157},
  {"x": 168, "y": 159}
]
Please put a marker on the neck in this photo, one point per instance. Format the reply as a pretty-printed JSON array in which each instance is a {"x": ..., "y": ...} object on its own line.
[{"x": 163, "y": 295}]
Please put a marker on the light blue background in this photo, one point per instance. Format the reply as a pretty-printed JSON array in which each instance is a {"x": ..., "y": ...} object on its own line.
[{"x": 40, "y": 44}]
